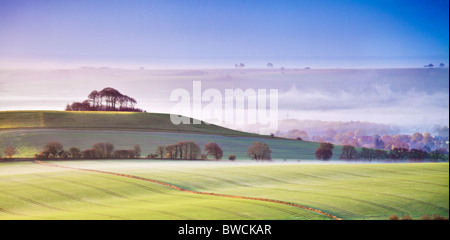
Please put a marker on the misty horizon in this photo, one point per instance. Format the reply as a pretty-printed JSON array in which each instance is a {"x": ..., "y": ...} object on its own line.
[
  {"x": 56, "y": 62},
  {"x": 344, "y": 61},
  {"x": 407, "y": 98}
]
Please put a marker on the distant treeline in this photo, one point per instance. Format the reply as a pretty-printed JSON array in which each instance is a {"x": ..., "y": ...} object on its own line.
[
  {"x": 108, "y": 99},
  {"x": 419, "y": 141},
  {"x": 190, "y": 150},
  {"x": 100, "y": 150},
  {"x": 182, "y": 150},
  {"x": 325, "y": 151}
]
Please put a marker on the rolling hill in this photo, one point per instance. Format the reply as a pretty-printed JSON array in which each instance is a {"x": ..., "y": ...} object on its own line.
[
  {"x": 131, "y": 121},
  {"x": 28, "y": 131}
]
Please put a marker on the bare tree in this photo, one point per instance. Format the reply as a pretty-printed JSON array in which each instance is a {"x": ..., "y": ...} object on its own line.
[
  {"x": 259, "y": 151},
  {"x": 324, "y": 151},
  {"x": 10, "y": 151},
  {"x": 86, "y": 105},
  {"x": 348, "y": 152},
  {"x": 137, "y": 150},
  {"x": 214, "y": 150},
  {"x": 109, "y": 147},
  {"x": 193, "y": 150},
  {"x": 111, "y": 96},
  {"x": 53, "y": 149},
  {"x": 160, "y": 151},
  {"x": 95, "y": 98},
  {"x": 75, "y": 152},
  {"x": 100, "y": 150}
]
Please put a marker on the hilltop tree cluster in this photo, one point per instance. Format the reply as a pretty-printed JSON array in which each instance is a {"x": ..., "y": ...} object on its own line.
[{"x": 108, "y": 99}]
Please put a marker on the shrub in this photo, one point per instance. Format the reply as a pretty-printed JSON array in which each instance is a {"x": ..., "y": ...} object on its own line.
[
  {"x": 438, "y": 217},
  {"x": 52, "y": 149},
  {"x": 324, "y": 151},
  {"x": 348, "y": 152},
  {"x": 407, "y": 217},
  {"x": 393, "y": 217},
  {"x": 232, "y": 157},
  {"x": 259, "y": 151},
  {"x": 214, "y": 150},
  {"x": 10, "y": 151}
]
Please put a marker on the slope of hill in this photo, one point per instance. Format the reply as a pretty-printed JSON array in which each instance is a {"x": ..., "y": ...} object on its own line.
[
  {"x": 29, "y": 131},
  {"x": 130, "y": 121}
]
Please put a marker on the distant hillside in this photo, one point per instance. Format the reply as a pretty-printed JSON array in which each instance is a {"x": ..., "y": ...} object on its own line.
[
  {"x": 29, "y": 131},
  {"x": 129, "y": 121}
]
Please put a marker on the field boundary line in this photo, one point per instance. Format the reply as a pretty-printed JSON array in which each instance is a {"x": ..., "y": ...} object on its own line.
[{"x": 196, "y": 192}]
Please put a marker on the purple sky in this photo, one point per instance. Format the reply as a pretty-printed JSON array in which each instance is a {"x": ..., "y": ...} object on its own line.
[{"x": 195, "y": 32}]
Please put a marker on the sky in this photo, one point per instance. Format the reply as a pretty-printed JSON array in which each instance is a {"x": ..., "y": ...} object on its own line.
[
  {"x": 195, "y": 31},
  {"x": 45, "y": 47}
]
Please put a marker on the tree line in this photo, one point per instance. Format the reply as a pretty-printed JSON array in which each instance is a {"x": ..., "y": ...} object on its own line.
[
  {"x": 192, "y": 151},
  {"x": 349, "y": 152},
  {"x": 421, "y": 141},
  {"x": 100, "y": 150},
  {"x": 108, "y": 99},
  {"x": 104, "y": 150}
]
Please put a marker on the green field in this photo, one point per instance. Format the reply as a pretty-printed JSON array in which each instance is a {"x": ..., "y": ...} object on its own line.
[
  {"x": 29, "y": 142},
  {"x": 349, "y": 191},
  {"x": 29, "y": 190},
  {"x": 131, "y": 121},
  {"x": 29, "y": 131}
]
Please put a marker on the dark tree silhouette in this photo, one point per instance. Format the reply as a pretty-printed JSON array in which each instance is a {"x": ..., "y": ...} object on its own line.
[
  {"x": 259, "y": 151},
  {"x": 324, "y": 151},
  {"x": 108, "y": 99},
  {"x": 100, "y": 150},
  {"x": 182, "y": 150},
  {"x": 75, "y": 152},
  {"x": 95, "y": 98},
  {"x": 212, "y": 149},
  {"x": 10, "y": 151},
  {"x": 137, "y": 150},
  {"x": 53, "y": 149},
  {"x": 160, "y": 151},
  {"x": 398, "y": 153},
  {"x": 348, "y": 152},
  {"x": 109, "y": 147}
]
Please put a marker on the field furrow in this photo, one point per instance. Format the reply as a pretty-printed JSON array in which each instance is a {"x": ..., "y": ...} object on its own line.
[{"x": 137, "y": 189}]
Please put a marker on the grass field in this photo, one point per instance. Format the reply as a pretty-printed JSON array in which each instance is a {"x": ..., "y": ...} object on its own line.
[
  {"x": 29, "y": 142},
  {"x": 349, "y": 191},
  {"x": 29, "y": 190},
  {"x": 29, "y": 131},
  {"x": 131, "y": 121}
]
